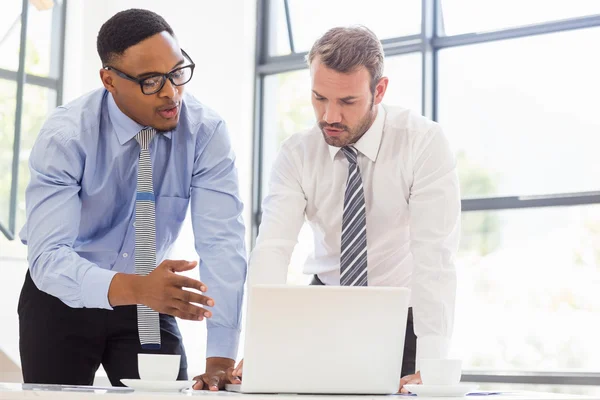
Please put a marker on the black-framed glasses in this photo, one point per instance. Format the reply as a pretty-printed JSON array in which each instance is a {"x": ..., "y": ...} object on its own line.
[{"x": 154, "y": 83}]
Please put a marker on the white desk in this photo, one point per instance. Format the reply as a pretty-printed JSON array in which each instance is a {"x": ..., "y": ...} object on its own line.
[{"x": 12, "y": 391}]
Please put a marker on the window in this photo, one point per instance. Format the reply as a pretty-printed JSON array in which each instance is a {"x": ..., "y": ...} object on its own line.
[
  {"x": 522, "y": 113},
  {"x": 387, "y": 18},
  {"x": 513, "y": 84},
  {"x": 527, "y": 289},
  {"x": 490, "y": 15},
  {"x": 28, "y": 92}
]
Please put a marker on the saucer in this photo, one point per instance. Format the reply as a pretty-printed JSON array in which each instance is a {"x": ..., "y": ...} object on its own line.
[
  {"x": 157, "y": 386},
  {"x": 458, "y": 390}
]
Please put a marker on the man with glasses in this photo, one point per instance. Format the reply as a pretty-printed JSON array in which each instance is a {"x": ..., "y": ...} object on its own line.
[{"x": 112, "y": 176}]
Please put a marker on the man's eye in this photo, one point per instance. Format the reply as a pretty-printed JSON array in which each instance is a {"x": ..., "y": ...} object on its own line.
[{"x": 151, "y": 82}]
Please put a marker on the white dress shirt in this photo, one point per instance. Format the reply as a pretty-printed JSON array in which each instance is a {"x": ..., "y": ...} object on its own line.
[{"x": 412, "y": 207}]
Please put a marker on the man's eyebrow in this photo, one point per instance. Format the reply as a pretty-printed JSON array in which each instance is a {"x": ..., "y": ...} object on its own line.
[{"x": 160, "y": 73}]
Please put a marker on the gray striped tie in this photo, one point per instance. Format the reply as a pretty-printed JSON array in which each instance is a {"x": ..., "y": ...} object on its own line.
[
  {"x": 353, "y": 258},
  {"x": 145, "y": 239}
]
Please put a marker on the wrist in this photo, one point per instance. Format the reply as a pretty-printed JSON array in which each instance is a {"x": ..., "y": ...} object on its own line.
[
  {"x": 219, "y": 363},
  {"x": 126, "y": 289}
]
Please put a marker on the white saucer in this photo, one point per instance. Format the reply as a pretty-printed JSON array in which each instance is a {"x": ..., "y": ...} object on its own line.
[
  {"x": 157, "y": 386},
  {"x": 458, "y": 390}
]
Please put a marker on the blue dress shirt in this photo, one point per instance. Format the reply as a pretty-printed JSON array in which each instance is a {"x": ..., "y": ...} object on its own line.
[{"x": 81, "y": 205}]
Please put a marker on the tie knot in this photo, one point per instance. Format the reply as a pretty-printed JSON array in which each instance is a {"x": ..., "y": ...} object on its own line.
[
  {"x": 144, "y": 137},
  {"x": 350, "y": 153}
]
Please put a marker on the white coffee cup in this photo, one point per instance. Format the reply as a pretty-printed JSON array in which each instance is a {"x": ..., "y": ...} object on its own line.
[
  {"x": 158, "y": 367},
  {"x": 437, "y": 371}
]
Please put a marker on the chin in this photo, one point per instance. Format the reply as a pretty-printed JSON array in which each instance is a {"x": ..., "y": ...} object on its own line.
[
  {"x": 335, "y": 141},
  {"x": 166, "y": 127}
]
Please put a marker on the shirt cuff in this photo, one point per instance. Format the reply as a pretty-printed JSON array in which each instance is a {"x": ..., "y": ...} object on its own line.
[
  {"x": 222, "y": 342},
  {"x": 94, "y": 287},
  {"x": 432, "y": 347}
]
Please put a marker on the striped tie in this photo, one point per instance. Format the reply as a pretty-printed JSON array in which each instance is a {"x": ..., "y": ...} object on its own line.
[
  {"x": 145, "y": 239},
  {"x": 353, "y": 258}
]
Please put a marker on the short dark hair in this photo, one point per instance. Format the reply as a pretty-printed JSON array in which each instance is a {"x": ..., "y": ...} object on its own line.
[{"x": 127, "y": 28}]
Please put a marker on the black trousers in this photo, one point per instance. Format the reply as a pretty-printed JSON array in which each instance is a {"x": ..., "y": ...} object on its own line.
[
  {"x": 64, "y": 345},
  {"x": 410, "y": 340}
]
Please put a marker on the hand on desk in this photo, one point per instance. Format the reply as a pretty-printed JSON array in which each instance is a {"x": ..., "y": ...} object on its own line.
[
  {"x": 163, "y": 290},
  {"x": 414, "y": 379},
  {"x": 219, "y": 371}
]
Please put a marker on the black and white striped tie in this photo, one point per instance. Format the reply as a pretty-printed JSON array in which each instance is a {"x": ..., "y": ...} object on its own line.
[
  {"x": 353, "y": 258},
  {"x": 145, "y": 239}
]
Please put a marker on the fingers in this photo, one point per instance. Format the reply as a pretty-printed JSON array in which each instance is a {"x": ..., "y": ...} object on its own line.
[
  {"x": 239, "y": 370},
  {"x": 184, "y": 281},
  {"x": 414, "y": 379},
  {"x": 189, "y": 308},
  {"x": 233, "y": 378},
  {"x": 199, "y": 385},
  {"x": 182, "y": 314},
  {"x": 213, "y": 383},
  {"x": 193, "y": 297},
  {"x": 179, "y": 265}
]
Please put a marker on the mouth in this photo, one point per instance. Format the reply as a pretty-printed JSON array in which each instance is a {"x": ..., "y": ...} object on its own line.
[
  {"x": 333, "y": 132},
  {"x": 170, "y": 111}
]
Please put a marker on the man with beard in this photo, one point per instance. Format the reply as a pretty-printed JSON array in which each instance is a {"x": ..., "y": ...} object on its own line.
[
  {"x": 377, "y": 185},
  {"x": 112, "y": 176}
]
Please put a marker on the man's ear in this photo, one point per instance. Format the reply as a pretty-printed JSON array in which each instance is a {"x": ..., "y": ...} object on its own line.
[
  {"x": 107, "y": 80},
  {"x": 380, "y": 90}
]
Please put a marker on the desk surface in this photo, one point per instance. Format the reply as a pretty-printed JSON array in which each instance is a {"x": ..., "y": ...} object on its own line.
[{"x": 12, "y": 391}]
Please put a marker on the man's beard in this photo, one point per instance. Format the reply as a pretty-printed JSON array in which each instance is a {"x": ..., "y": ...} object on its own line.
[{"x": 353, "y": 134}]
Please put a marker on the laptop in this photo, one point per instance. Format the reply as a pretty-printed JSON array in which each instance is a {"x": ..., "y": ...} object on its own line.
[{"x": 324, "y": 340}]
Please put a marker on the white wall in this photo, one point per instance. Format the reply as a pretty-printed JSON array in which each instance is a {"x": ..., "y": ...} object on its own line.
[{"x": 219, "y": 36}]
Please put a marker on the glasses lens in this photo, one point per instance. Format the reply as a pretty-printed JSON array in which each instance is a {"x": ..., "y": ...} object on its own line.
[
  {"x": 182, "y": 76},
  {"x": 153, "y": 84}
]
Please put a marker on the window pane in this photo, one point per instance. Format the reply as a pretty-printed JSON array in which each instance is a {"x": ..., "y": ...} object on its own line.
[
  {"x": 387, "y": 18},
  {"x": 522, "y": 114},
  {"x": 39, "y": 38},
  {"x": 10, "y": 31},
  {"x": 492, "y": 15},
  {"x": 40, "y": 41},
  {"x": 279, "y": 43},
  {"x": 8, "y": 91},
  {"x": 404, "y": 88},
  {"x": 528, "y": 288},
  {"x": 286, "y": 110}
]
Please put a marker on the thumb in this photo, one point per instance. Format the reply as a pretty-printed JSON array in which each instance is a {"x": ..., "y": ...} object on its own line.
[
  {"x": 239, "y": 370},
  {"x": 181, "y": 265}
]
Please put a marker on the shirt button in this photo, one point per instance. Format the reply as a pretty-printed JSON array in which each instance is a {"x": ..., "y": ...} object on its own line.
[
  {"x": 125, "y": 255},
  {"x": 134, "y": 225}
]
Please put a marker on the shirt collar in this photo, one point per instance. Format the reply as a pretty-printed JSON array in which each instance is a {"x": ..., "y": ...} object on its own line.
[
  {"x": 369, "y": 143},
  {"x": 124, "y": 127}
]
